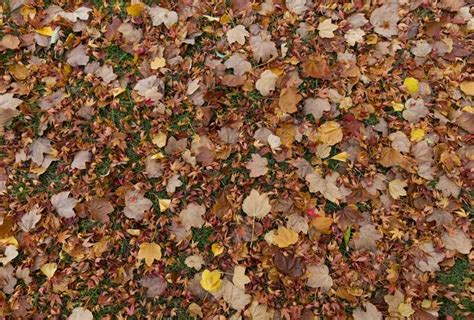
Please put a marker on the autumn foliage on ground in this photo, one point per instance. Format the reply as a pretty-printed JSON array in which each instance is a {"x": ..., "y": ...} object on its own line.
[{"x": 232, "y": 159}]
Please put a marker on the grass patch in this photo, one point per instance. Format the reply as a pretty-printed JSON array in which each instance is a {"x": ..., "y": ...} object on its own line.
[{"x": 201, "y": 236}]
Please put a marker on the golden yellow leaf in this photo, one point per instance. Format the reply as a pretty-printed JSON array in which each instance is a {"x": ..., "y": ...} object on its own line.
[
  {"x": 45, "y": 31},
  {"x": 211, "y": 281},
  {"x": 405, "y": 309},
  {"x": 412, "y": 85},
  {"x": 150, "y": 252},
  {"x": 330, "y": 133},
  {"x": 322, "y": 224},
  {"x": 340, "y": 157},
  {"x": 158, "y": 63},
  {"x": 225, "y": 19},
  {"x": 417, "y": 135},
  {"x": 28, "y": 11},
  {"x": 397, "y": 106},
  {"x": 467, "y": 87},
  {"x": 164, "y": 204},
  {"x": 136, "y": 9},
  {"x": 49, "y": 269},
  {"x": 19, "y": 71},
  {"x": 9, "y": 240},
  {"x": 159, "y": 139},
  {"x": 217, "y": 248},
  {"x": 284, "y": 237}
]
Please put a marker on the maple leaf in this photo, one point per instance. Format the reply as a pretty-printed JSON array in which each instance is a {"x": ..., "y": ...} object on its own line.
[
  {"x": 316, "y": 107},
  {"x": 316, "y": 67},
  {"x": 296, "y": 6},
  {"x": 237, "y": 34},
  {"x": 239, "y": 278},
  {"x": 370, "y": 313},
  {"x": 282, "y": 237},
  {"x": 29, "y": 220},
  {"x": 63, "y": 204},
  {"x": 173, "y": 183},
  {"x": 211, "y": 281},
  {"x": 326, "y": 29},
  {"x": 80, "y": 313},
  {"x": 155, "y": 285},
  {"x": 366, "y": 237},
  {"x": 78, "y": 56},
  {"x": 326, "y": 186},
  {"x": 318, "y": 277},
  {"x": 354, "y": 36},
  {"x": 266, "y": 83},
  {"x": 330, "y": 133},
  {"x": 136, "y": 205},
  {"x": 289, "y": 99},
  {"x": 164, "y": 16},
  {"x": 191, "y": 216},
  {"x": 150, "y": 252},
  {"x": 240, "y": 65},
  {"x": 8, "y": 108},
  {"x": 396, "y": 188},
  {"x": 256, "y": 205},
  {"x": 258, "y": 166},
  {"x": 457, "y": 240},
  {"x": 262, "y": 47},
  {"x": 235, "y": 296},
  {"x": 80, "y": 159},
  {"x": 100, "y": 209}
]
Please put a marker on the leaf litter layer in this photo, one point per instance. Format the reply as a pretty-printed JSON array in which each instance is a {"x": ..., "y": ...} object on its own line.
[{"x": 236, "y": 160}]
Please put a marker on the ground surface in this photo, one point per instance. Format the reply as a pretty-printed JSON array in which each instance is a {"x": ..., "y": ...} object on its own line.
[{"x": 232, "y": 159}]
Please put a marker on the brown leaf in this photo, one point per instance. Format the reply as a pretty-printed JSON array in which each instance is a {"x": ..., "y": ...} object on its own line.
[
  {"x": 289, "y": 264},
  {"x": 289, "y": 99},
  {"x": 316, "y": 67},
  {"x": 99, "y": 209},
  {"x": 391, "y": 157}
]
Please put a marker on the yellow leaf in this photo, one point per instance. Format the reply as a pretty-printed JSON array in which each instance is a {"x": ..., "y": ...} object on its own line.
[
  {"x": 117, "y": 91},
  {"x": 133, "y": 232},
  {"x": 372, "y": 39},
  {"x": 341, "y": 157},
  {"x": 49, "y": 269},
  {"x": 158, "y": 63},
  {"x": 397, "y": 106},
  {"x": 150, "y": 252},
  {"x": 469, "y": 109},
  {"x": 417, "y": 135},
  {"x": 164, "y": 204},
  {"x": 45, "y": 31},
  {"x": 157, "y": 156},
  {"x": 284, "y": 237},
  {"x": 330, "y": 133},
  {"x": 28, "y": 11},
  {"x": 159, "y": 139},
  {"x": 136, "y": 9},
  {"x": 405, "y": 309},
  {"x": 9, "y": 240},
  {"x": 396, "y": 188},
  {"x": 217, "y": 248},
  {"x": 19, "y": 71},
  {"x": 211, "y": 281},
  {"x": 467, "y": 87},
  {"x": 225, "y": 19},
  {"x": 412, "y": 85},
  {"x": 322, "y": 224}
]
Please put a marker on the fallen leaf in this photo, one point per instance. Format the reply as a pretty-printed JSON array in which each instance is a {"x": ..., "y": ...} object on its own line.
[
  {"x": 155, "y": 285},
  {"x": 10, "y": 42},
  {"x": 258, "y": 166},
  {"x": 239, "y": 278},
  {"x": 330, "y": 133},
  {"x": 326, "y": 29},
  {"x": 10, "y": 253},
  {"x": 318, "y": 277},
  {"x": 195, "y": 261},
  {"x": 467, "y": 87},
  {"x": 237, "y": 34},
  {"x": 211, "y": 281},
  {"x": 396, "y": 188},
  {"x": 289, "y": 99},
  {"x": 80, "y": 313},
  {"x": 366, "y": 237},
  {"x": 150, "y": 252},
  {"x": 164, "y": 16},
  {"x": 191, "y": 216},
  {"x": 235, "y": 296},
  {"x": 457, "y": 240},
  {"x": 266, "y": 83},
  {"x": 256, "y": 205},
  {"x": 49, "y": 269},
  {"x": 80, "y": 159},
  {"x": 282, "y": 237},
  {"x": 63, "y": 204},
  {"x": 29, "y": 220},
  {"x": 135, "y": 9},
  {"x": 370, "y": 313},
  {"x": 136, "y": 205}
]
